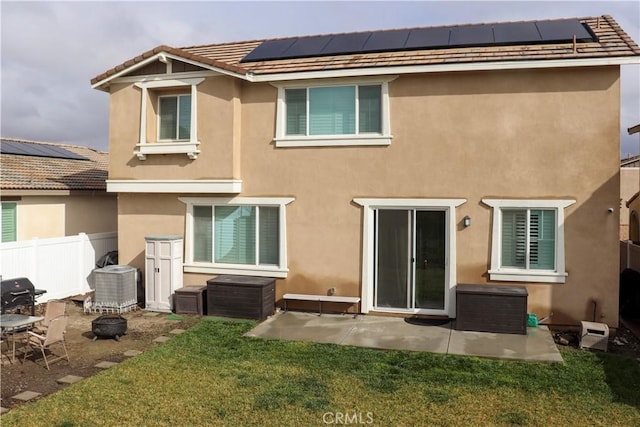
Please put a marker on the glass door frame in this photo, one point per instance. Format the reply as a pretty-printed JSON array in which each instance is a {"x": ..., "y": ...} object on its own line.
[{"x": 369, "y": 246}]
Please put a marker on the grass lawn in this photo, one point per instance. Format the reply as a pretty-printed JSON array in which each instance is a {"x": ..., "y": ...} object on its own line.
[{"x": 212, "y": 375}]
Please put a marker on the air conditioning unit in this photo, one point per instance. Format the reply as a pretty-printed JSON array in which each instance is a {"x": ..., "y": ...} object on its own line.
[{"x": 115, "y": 288}]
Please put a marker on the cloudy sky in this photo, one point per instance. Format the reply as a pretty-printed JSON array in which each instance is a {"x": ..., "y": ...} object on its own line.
[{"x": 51, "y": 50}]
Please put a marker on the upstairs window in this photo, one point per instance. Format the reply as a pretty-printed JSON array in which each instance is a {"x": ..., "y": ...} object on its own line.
[
  {"x": 339, "y": 110},
  {"x": 345, "y": 114},
  {"x": 174, "y": 118}
]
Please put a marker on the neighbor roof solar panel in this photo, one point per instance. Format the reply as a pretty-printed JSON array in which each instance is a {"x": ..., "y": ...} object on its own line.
[
  {"x": 38, "y": 150},
  {"x": 499, "y": 34}
]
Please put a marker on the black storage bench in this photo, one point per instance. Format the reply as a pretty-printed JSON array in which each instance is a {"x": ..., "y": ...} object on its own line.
[
  {"x": 191, "y": 300},
  {"x": 487, "y": 308},
  {"x": 246, "y": 297}
]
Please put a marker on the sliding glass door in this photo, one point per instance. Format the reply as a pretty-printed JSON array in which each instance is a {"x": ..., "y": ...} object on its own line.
[{"x": 410, "y": 267}]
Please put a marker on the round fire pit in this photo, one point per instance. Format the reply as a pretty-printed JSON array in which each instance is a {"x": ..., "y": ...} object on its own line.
[{"x": 109, "y": 326}]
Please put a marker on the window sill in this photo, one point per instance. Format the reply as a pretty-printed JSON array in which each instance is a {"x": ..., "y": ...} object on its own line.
[
  {"x": 239, "y": 270},
  {"x": 189, "y": 148},
  {"x": 333, "y": 141},
  {"x": 527, "y": 276}
]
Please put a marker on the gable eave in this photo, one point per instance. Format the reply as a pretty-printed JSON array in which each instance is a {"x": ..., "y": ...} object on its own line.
[{"x": 162, "y": 53}]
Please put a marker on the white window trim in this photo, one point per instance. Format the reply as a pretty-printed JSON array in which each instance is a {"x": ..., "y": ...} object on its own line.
[
  {"x": 368, "y": 244},
  {"x": 191, "y": 266},
  {"x": 363, "y": 139},
  {"x": 190, "y": 148},
  {"x": 499, "y": 273}
]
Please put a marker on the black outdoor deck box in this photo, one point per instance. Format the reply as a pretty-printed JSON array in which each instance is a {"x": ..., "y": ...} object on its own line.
[
  {"x": 241, "y": 296},
  {"x": 486, "y": 308},
  {"x": 191, "y": 300}
]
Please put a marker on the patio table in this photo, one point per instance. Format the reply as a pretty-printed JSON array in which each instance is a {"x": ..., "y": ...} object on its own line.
[{"x": 13, "y": 324}]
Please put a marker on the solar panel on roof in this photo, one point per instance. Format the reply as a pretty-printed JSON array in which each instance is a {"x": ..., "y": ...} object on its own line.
[
  {"x": 344, "y": 43},
  {"x": 307, "y": 46},
  {"x": 516, "y": 32},
  {"x": 269, "y": 49},
  {"x": 38, "y": 150},
  {"x": 380, "y": 41},
  {"x": 472, "y": 35},
  {"x": 557, "y": 31},
  {"x": 423, "y": 38}
]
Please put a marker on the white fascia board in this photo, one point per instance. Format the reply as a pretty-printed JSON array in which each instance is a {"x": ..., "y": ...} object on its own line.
[
  {"x": 165, "y": 55},
  {"x": 410, "y": 203},
  {"x": 228, "y": 186},
  {"x": 439, "y": 68}
]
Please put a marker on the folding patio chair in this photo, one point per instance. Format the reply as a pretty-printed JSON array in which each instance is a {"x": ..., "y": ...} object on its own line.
[
  {"x": 54, "y": 309},
  {"x": 54, "y": 335}
]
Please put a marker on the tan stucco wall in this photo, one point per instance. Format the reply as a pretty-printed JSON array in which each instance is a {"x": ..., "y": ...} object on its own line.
[
  {"x": 58, "y": 216},
  {"x": 472, "y": 135},
  {"x": 218, "y": 133}
]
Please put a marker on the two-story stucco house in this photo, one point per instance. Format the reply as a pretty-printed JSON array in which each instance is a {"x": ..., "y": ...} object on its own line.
[{"x": 389, "y": 165}]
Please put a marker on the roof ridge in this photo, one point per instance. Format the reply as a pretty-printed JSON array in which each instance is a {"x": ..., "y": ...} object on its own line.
[{"x": 173, "y": 51}]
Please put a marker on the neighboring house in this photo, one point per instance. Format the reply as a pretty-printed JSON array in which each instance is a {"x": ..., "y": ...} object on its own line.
[
  {"x": 633, "y": 203},
  {"x": 389, "y": 165},
  {"x": 53, "y": 190},
  {"x": 629, "y": 186}
]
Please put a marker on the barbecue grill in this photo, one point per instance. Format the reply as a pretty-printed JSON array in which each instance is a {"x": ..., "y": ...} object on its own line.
[{"x": 18, "y": 294}]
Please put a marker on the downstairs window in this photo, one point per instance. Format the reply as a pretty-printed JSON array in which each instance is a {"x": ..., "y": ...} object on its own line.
[{"x": 527, "y": 243}]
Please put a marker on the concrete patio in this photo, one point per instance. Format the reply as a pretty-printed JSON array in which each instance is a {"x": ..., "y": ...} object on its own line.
[{"x": 394, "y": 333}]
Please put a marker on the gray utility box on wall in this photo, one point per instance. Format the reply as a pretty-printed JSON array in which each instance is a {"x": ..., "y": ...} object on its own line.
[
  {"x": 241, "y": 296},
  {"x": 485, "y": 308},
  {"x": 191, "y": 300}
]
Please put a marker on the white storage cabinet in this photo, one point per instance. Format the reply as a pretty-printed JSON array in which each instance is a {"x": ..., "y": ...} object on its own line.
[{"x": 163, "y": 262}]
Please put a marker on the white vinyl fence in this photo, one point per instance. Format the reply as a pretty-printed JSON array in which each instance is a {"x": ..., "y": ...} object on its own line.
[
  {"x": 62, "y": 266},
  {"x": 629, "y": 255}
]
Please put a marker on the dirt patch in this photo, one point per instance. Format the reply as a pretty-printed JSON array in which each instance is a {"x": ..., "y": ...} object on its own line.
[{"x": 84, "y": 352}]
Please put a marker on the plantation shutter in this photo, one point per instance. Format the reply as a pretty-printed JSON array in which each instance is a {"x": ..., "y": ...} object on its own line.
[
  {"x": 235, "y": 234},
  {"x": 332, "y": 110},
  {"x": 184, "y": 130},
  {"x": 514, "y": 238},
  {"x": 369, "y": 99},
  {"x": 542, "y": 240},
  {"x": 296, "y": 102},
  {"x": 168, "y": 117},
  {"x": 9, "y": 222},
  {"x": 202, "y": 233},
  {"x": 269, "y": 231}
]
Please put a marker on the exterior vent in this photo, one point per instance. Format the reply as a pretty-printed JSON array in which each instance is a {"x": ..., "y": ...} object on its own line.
[{"x": 115, "y": 289}]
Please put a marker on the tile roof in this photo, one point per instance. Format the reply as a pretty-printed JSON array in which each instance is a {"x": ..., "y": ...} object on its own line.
[
  {"x": 612, "y": 42},
  {"x": 20, "y": 172}
]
